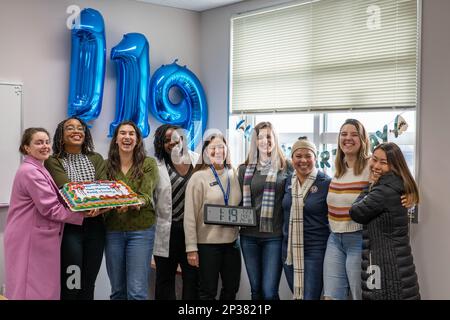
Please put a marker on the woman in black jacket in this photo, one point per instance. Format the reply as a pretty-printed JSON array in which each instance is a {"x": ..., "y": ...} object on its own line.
[{"x": 388, "y": 271}]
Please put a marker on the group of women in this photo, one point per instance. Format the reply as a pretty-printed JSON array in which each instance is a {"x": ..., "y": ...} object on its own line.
[{"x": 331, "y": 236}]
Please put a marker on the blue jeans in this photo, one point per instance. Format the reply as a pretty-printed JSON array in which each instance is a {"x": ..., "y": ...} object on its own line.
[
  {"x": 262, "y": 257},
  {"x": 342, "y": 266},
  {"x": 128, "y": 255},
  {"x": 313, "y": 274}
]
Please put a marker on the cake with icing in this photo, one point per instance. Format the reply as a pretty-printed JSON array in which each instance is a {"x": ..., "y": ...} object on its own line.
[{"x": 98, "y": 194}]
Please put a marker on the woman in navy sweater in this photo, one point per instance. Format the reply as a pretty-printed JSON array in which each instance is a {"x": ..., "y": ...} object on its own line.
[{"x": 305, "y": 226}]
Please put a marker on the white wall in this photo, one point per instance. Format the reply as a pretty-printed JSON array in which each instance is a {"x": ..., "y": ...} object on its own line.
[
  {"x": 215, "y": 53},
  {"x": 35, "y": 49},
  {"x": 430, "y": 238}
]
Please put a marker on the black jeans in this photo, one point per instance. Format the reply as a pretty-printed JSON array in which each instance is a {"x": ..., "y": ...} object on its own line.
[
  {"x": 81, "y": 258},
  {"x": 223, "y": 260},
  {"x": 166, "y": 269}
]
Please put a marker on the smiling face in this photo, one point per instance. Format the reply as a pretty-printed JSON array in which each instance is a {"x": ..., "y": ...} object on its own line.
[
  {"x": 378, "y": 164},
  {"x": 216, "y": 151},
  {"x": 265, "y": 141},
  {"x": 171, "y": 140},
  {"x": 73, "y": 134},
  {"x": 303, "y": 161},
  {"x": 349, "y": 140},
  {"x": 126, "y": 138},
  {"x": 39, "y": 147}
]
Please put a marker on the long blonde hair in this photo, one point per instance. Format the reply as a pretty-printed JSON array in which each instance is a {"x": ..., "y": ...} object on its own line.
[
  {"x": 277, "y": 157},
  {"x": 398, "y": 166},
  {"x": 363, "y": 152}
]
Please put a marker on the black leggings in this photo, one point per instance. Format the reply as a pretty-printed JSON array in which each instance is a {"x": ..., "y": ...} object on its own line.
[
  {"x": 81, "y": 257},
  {"x": 222, "y": 260},
  {"x": 166, "y": 269}
]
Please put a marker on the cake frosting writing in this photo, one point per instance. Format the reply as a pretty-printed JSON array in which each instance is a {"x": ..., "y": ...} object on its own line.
[{"x": 98, "y": 194}]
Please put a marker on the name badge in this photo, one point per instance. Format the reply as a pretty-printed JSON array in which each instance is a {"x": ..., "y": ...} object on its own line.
[{"x": 229, "y": 215}]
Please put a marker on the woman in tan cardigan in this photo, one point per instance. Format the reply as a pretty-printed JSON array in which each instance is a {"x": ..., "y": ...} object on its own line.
[{"x": 213, "y": 248}]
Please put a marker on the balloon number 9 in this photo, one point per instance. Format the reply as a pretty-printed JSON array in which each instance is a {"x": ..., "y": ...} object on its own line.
[
  {"x": 132, "y": 62},
  {"x": 87, "y": 71},
  {"x": 191, "y": 112}
]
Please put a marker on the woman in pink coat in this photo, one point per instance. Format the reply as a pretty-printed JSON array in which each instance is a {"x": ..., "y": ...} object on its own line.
[{"x": 34, "y": 225}]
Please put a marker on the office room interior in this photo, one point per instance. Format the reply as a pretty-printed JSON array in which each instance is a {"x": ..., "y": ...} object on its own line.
[{"x": 35, "y": 52}]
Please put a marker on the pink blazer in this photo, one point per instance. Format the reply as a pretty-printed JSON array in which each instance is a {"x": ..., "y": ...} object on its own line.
[{"x": 33, "y": 234}]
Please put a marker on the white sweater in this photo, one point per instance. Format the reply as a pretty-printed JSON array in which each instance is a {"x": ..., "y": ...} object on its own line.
[{"x": 202, "y": 188}]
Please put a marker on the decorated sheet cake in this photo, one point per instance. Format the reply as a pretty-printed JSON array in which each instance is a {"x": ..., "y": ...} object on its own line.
[{"x": 98, "y": 194}]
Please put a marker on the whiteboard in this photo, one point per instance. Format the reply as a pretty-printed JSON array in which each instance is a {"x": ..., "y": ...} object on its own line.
[{"x": 11, "y": 133}]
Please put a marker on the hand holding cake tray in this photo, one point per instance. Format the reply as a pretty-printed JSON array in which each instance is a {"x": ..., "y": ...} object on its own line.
[{"x": 81, "y": 196}]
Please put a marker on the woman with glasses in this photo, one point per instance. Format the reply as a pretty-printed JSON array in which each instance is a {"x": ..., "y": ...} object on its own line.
[
  {"x": 262, "y": 178},
  {"x": 175, "y": 164},
  {"x": 213, "y": 248},
  {"x": 36, "y": 217},
  {"x": 74, "y": 160}
]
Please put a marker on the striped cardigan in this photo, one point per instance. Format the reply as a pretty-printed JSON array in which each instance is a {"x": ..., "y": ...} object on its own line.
[{"x": 341, "y": 195}]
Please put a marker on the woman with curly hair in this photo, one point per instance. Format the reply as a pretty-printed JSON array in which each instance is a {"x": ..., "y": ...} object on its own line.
[
  {"x": 175, "y": 164},
  {"x": 36, "y": 217},
  {"x": 74, "y": 160}
]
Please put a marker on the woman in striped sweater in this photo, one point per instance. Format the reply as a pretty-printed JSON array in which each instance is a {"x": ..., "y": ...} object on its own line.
[{"x": 342, "y": 265}]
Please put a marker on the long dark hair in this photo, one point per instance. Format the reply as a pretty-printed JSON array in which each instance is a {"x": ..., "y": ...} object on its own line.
[
  {"x": 113, "y": 163},
  {"x": 398, "y": 166},
  {"x": 58, "y": 139},
  {"x": 363, "y": 153},
  {"x": 203, "y": 164},
  {"x": 159, "y": 140}
]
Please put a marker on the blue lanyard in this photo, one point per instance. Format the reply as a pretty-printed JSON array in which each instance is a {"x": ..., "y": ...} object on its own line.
[{"x": 226, "y": 195}]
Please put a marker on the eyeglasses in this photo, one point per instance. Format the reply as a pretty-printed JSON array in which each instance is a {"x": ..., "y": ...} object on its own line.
[
  {"x": 73, "y": 128},
  {"x": 220, "y": 147}
]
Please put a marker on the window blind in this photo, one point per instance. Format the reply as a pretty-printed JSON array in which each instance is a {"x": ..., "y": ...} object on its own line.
[{"x": 325, "y": 55}]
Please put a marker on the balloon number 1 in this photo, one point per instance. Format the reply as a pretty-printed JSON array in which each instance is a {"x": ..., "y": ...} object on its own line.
[
  {"x": 87, "y": 70},
  {"x": 134, "y": 94},
  {"x": 132, "y": 65}
]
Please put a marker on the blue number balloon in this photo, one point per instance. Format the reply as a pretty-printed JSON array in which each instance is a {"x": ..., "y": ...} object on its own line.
[
  {"x": 87, "y": 69},
  {"x": 132, "y": 64},
  {"x": 191, "y": 113}
]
